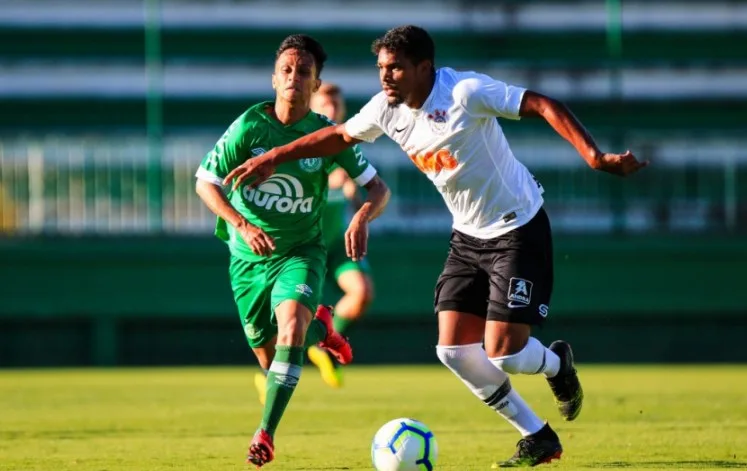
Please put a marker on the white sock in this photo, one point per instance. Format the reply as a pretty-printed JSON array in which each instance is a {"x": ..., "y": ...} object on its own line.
[
  {"x": 533, "y": 359},
  {"x": 471, "y": 364}
]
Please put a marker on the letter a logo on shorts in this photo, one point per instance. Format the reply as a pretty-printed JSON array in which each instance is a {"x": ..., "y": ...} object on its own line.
[{"x": 519, "y": 292}]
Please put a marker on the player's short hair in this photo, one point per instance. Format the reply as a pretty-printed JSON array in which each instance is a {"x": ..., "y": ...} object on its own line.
[
  {"x": 412, "y": 41},
  {"x": 304, "y": 43}
]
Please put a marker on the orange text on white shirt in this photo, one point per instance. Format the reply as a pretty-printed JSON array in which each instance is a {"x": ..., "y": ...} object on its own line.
[{"x": 434, "y": 161}]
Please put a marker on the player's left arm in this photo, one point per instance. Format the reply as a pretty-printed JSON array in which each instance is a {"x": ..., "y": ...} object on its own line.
[
  {"x": 328, "y": 141},
  {"x": 377, "y": 196},
  {"x": 356, "y": 236},
  {"x": 570, "y": 128}
]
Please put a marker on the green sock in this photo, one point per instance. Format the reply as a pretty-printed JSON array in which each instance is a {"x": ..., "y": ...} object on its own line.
[
  {"x": 285, "y": 371},
  {"x": 315, "y": 333},
  {"x": 342, "y": 324}
]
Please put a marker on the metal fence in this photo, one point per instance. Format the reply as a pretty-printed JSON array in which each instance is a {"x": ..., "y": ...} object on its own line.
[{"x": 109, "y": 185}]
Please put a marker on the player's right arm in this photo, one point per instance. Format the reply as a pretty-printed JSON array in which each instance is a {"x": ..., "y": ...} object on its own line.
[
  {"x": 225, "y": 156},
  {"x": 570, "y": 128},
  {"x": 332, "y": 140},
  {"x": 484, "y": 96}
]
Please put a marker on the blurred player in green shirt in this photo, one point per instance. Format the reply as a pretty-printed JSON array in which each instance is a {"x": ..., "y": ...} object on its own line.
[
  {"x": 352, "y": 277},
  {"x": 274, "y": 230}
]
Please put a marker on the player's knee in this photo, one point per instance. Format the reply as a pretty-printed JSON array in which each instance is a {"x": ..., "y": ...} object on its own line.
[{"x": 292, "y": 331}]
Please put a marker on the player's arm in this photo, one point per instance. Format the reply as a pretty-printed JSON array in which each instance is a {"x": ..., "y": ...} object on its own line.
[
  {"x": 356, "y": 236},
  {"x": 377, "y": 196},
  {"x": 322, "y": 143},
  {"x": 227, "y": 154},
  {"x": 332, "y": 140},
  {"x": 212, "y": 195},
  {"x": 570, "y": 128}
]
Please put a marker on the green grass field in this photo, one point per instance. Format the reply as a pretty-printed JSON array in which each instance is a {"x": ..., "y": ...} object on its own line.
[{"x": 657, "y": 417}]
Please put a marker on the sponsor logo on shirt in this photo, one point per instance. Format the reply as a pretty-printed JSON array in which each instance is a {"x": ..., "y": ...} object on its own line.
[
  {"x": 434, "y": 162},
  {"x": 282, "y": 193}
]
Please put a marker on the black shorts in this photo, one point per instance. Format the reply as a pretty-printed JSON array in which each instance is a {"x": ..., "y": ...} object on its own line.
[{"x": 508, "y": 278}]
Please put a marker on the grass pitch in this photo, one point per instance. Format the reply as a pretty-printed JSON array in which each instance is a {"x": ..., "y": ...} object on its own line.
[{"x": 653, "y": 417}]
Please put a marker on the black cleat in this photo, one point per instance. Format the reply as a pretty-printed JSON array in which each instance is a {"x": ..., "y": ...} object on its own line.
[
  {"x": 565, "y": 385},
  {"x": 541, "y": 447}
]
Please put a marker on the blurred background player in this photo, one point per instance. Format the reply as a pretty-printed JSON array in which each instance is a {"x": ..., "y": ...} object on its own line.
[
  {"x": 351, "y": 276},
  {"x": 273, "y": 231}
]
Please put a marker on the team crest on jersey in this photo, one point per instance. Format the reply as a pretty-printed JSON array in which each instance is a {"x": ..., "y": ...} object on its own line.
[
  {"x": 438, "y": 120},
  {"x": 257, "y": 151},
  {"x": 310, "y": 165}
]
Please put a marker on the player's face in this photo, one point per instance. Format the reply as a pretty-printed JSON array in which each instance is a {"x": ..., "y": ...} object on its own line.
[
  {"x": 399, "y": 77},
  {"x": 295, "y": 79},
  {"x": 331, "y": 106}
]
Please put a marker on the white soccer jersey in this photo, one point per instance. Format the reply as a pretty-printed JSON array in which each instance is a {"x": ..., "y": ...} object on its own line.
[{"x": 457, "y": 142}]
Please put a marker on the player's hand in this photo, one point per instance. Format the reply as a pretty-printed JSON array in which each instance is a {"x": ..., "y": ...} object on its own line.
[
  {"x": 256, "y": 238},
  {"x": 356, "y": 237},
  {"x": 620, "y": 164},
  {"x": 258, "y": 167}
]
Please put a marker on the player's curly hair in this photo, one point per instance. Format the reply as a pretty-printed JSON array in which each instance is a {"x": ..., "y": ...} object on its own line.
[
  {"x": 414, "y": 42},
  {"x": 305, "y": 43}
]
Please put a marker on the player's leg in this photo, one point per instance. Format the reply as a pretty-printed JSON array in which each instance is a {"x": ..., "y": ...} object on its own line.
[
  {"x": 265, "y": 354},
  {"x": 295, "y": 294},
  {"x": 461, "y": 301},
  {"x": 252, "y": 290},
  {"x": 357, "y": 287},
  {"x": 520, "y": 292},
  {"x": 356, "y": 284},
  {"x": 520, "y": 289},
  {"x": 539, "y": 442}
]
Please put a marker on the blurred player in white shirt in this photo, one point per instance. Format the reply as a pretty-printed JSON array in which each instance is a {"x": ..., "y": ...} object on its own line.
[{"x": 497, "y": 279}]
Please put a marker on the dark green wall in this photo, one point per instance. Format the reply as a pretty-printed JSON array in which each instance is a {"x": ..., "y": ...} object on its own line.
[{"x": 167, "y": 300}]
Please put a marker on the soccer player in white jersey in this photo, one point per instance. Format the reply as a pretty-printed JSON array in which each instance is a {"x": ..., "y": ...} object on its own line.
[{"x": 497, "y": 278}]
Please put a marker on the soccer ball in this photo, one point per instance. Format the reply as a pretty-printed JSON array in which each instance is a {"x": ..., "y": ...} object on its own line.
[{"x": 404, "y": 445}]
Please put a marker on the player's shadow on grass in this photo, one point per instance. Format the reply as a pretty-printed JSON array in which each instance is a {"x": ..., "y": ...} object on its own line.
[{"x": 687, "y": 464}]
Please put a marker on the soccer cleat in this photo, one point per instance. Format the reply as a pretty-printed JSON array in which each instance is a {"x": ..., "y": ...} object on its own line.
[
  {"x": 260, "y": 382},
  {"x": 261, "y": 450},
  {"x": 565, "y": 385},
  {"x": 330, "y": 374},
  {"x": 334, "y": 343},
  {"x": 541, "y": 447}
]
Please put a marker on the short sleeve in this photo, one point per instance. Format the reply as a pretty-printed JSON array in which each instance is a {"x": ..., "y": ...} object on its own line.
[
  {"x": 229, "y": 152},
  {"x": 356, "y": 165},
  {"x": 366, "y": 124},
  {"x": 483, "y": 96}
]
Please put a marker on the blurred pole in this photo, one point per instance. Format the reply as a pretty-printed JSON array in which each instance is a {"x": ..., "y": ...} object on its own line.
[
  {"x": 36, "y": 188},
  {"x": 614, "y": 28},
  {"x": 614, "y": 52},
  {"x": 154, "y": 111}
]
